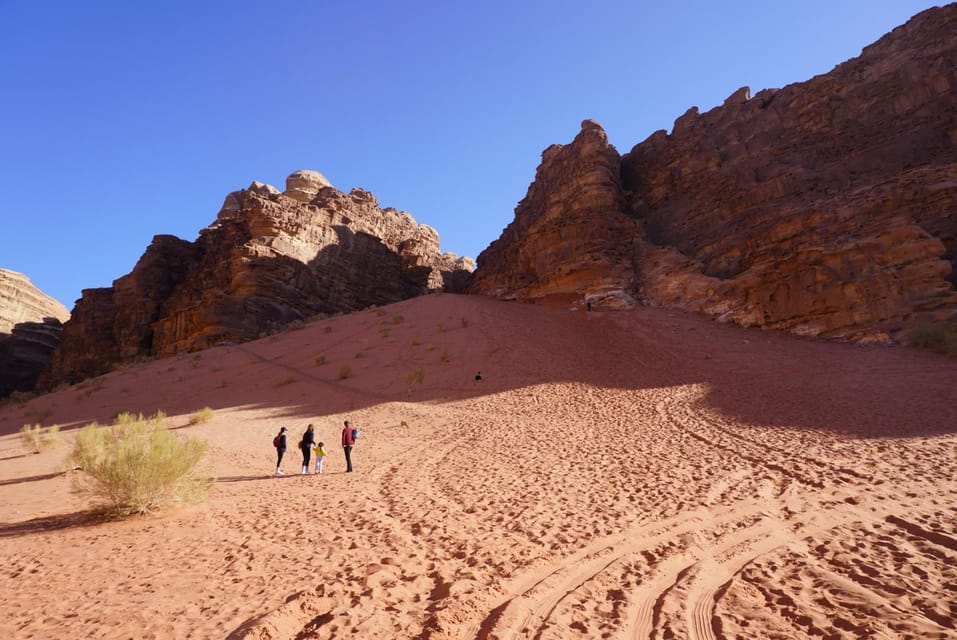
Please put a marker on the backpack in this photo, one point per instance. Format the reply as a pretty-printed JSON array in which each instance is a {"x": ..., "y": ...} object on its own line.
[
  {"x": 355, "y": 434},
  {"x": 275, "y": 442}
]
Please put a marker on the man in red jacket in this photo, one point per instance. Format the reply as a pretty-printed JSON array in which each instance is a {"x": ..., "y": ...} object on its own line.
[{"x": 347, "y": 442}]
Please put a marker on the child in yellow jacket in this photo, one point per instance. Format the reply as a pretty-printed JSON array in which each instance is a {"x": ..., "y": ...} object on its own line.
[{"x": 320, "y": 452}]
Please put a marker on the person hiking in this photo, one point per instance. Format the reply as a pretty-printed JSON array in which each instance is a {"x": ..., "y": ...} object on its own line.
[
  {"x": 280, "y": 443},
  {"x": 320, "y": 452},
  {"x": 306, "y": 444},
  {"x": 348, "y": 441}
]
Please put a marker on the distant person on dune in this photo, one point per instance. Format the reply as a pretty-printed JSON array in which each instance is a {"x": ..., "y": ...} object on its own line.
[
  {"x": 348, "y": 441},
  {"x": 280, "y": 443},
  {"x": 306, "y": 444}
]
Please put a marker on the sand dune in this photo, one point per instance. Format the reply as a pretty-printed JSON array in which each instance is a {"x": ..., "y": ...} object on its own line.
[{"x": 641, "y": 474}]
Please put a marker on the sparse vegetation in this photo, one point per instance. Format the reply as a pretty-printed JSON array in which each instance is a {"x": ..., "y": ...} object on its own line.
[
  {"x": 384, "y": 332},
  {"x": 345, "y": 371},
  {"x": 287, "y": 380},
  {"x": 328, "y": 329},
  {"x": 445, "y": 357},
  {"x": 320, "y": 360},
  {"x": 36, "y": 438},
  {"x": 360, "y": 354},
  {"x": 414, "y": 377},
  {"x": 465, "y": 323},
  {"x": 398, "y": 319},
  {"x": 416, "y": 342},
  {"x": 935, "y": 336},
  {"x": 202, "y": 416},
  {"x": 380, "y": 312},
  {"x": 137, "y": 465}
]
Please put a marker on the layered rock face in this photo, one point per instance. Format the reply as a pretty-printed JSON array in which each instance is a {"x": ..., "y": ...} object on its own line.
[
  {"x": 30, "y": 326},
  {"x": 269, "y": 259},
  {"x": 825, "y": 208},
  {"x": 570, "y": 236}
]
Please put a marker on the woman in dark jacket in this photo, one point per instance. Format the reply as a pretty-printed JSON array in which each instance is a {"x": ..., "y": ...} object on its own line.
[
  {"x": 280, "y": 442},
  {"x": 308, "y": 439}
]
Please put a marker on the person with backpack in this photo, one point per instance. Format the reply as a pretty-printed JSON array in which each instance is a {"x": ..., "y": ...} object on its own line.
[
  {"x": 348, "y": 441},
  {"x": 280, "y": 443},
  {"x": 306, "y": 444}
]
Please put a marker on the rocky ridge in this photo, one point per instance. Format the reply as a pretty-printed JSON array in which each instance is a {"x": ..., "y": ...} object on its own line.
[
  {"x": 825, "y": 208},
  {"x": 30, "y": 325},
  {"x": 268, "y": 260}
]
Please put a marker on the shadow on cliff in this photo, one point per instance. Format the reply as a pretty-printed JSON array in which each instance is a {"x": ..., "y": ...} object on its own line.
[
  {"x": 428, "y": 350},
  {"x": 25, "y": 352}
]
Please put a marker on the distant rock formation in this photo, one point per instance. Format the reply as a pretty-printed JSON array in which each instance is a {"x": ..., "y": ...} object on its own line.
[
  {"x": 826, "y": 208},
  {"x": 30, "y": 325},
  {"x": 269, "y": 259}
]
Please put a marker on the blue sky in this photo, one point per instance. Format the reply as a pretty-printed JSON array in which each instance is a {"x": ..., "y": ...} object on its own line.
[{"x": 123, "y": 120}]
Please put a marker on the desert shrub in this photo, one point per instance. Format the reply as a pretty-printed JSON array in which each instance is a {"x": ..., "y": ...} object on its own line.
[
  {"x": 320, "y": 360},
  {"x": 445, "y": 357},
  {"x": 398, "y": 319},
  {"x": 935, "y": 336},
  {"x": 287, "y": 380},
  {"x": 465, "y": 323},
  {"x": 137, "y": 465},
  {"x": 416, "y": 342},
  {"x": 384, "y": 332},
  {"x": 360, "y": 354},
  {"x": 202, "y": 416},
  {"x": 414, "y": 377},
  {"x": 21, "y": 397},
  {"x": 328, "y": 329},
  {"x": 345, "y": 371},
  {"x": 36, "y": 438}
]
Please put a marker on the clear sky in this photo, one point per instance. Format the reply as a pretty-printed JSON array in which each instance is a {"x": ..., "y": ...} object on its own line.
[{"x": 121, "y": 120}]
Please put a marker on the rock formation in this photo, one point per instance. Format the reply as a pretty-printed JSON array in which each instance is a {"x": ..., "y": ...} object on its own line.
[
  {"x": 269, "y": 259},
  {"x": 30, "y": 325},
  {"x": 825, "y": 208}
]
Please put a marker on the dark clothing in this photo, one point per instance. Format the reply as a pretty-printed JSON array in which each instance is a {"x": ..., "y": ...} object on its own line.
[
  {"x": 347, "y": 442},
  {"x": 308, "y": 439},
  {"x": 280, "y": 449}
]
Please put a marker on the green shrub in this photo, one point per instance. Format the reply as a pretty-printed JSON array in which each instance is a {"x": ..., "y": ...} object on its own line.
[
  {"x": 137, "y": 465},
  {"x": 36, "y": 438},
  {"x": 935, "y": 336},
  {"x": 202, "y": 416}
]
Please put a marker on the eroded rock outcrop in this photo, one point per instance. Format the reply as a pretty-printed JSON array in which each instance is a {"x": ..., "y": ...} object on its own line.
[
  {"x": 825, "y": 208},
  {"x": 30, "y": 325},
  {"x": 269, "y": 259}
]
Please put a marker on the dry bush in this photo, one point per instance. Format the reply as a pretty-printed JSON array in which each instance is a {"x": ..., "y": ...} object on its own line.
[
  {"x": 398, "y": 319},
  {"x": 935, "y": 336},
  {"x": 445, "y": 357},
  {"x": 202, "y": 416},
  {"x": 287, "y": 380},
  {"x": 36, "y": 438},
  {"x": 465, "y": 323},
  {"x": 137, "y": 465},
  {"x": 328, "y": 329},
  {"x": 345, "y": 371},
  {"x": 414, "y": 377},
  {"x": 320, "y": 360}
]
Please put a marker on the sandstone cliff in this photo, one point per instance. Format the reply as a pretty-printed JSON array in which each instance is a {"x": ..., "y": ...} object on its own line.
[
  {"x": 826, "y": 208},
  {"x": 30, "y": 325},
  {"x": 269, "y": 259}
]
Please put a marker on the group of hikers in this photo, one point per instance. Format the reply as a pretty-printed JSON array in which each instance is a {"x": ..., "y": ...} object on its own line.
[{"x": 308, "y": 446}]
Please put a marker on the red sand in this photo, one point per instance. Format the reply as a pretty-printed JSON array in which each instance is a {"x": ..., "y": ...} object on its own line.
[{"x": 642, "y": 474}]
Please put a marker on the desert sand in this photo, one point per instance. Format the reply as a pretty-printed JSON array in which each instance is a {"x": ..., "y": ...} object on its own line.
[{"x": 616, "y": 474}]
